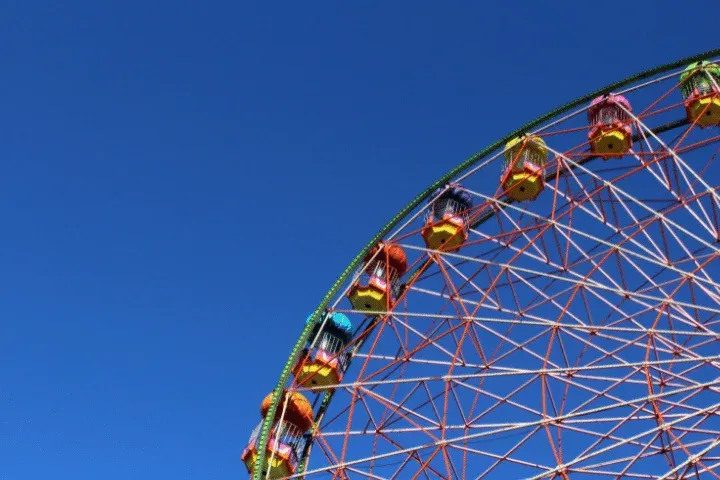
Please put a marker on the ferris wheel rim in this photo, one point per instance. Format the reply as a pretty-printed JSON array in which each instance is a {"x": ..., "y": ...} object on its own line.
[{"x": 277, "y": 393}]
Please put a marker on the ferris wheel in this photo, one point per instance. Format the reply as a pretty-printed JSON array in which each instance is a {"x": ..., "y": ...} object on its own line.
[{"x": 549, "y": 309}]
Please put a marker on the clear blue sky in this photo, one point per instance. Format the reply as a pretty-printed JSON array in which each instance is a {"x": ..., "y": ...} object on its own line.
[{"x": 163, "y": 166}]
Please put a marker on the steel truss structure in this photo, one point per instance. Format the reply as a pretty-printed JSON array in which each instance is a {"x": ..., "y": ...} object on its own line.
[{"x": 572, "y": 336}]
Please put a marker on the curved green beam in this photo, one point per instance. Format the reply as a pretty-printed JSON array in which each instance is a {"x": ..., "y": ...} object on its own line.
[{"x": 355, "y": 263}]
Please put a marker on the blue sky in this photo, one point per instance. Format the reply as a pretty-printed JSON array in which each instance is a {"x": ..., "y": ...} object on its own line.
[{"x": 180, "y": 182}]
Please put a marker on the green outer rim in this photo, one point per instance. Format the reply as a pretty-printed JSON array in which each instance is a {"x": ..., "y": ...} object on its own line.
[
  {"x": 355, "y": 263},
  {"x": 692, "y": 70}
]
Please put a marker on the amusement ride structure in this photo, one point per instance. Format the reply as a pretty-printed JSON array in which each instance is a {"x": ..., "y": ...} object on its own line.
[{"x": 549, "y": 309}]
